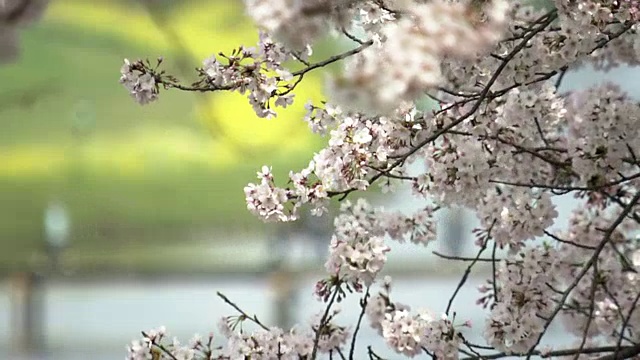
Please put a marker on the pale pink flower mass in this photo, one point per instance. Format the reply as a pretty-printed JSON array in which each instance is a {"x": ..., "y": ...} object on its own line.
[{"x": 500, "y": 140}]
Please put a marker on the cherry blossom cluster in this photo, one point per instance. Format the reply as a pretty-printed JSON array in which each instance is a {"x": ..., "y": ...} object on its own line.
[
  {"x": 358, "y": 148},
  {"x": 275, "y": 343},
  {"x": 357, "y": 260},
  {"x": 266, "y": 200},
  {"x": 600, "y": 13},
  {"x": 262, "y": 344},
  {"x": 501, "y": 139},
  {"x": 298, "y": 23},
  {"x": 258, "y": 72},
  {"x": 412, "y": 334},
  {"x": 406, "y": 59},
  {"x": 140, "y": 83},
  {"x": 610, "y": 290},
  {"x": 603, "y": 126},
  {"x": 254, "y": 71},
  {"x": 357, "y": 252},
  {"x": 523, "y": 300},
  {"x": 147, "y": 347}
]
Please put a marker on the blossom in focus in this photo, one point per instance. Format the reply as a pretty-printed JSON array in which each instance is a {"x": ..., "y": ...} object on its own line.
[{"x": 141, "y": 86}]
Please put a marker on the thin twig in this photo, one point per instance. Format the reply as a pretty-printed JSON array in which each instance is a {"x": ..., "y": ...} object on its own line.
[
  {"x": 493, "y": 272},
  {"x": 253, "y": 318},
  {"x": 558, "y": 239},
  {"x": 569, "y": 188},
  {"x": 363, "y": 305},
  {"x": 323, "y": 321},
  {"x": 351, "y": 37},
  {"x": 462, "y": 258},
  {"x": 464, "y": 278},
  {"x": 592, "y": 298},
  {"x": 333, "y": 59}
]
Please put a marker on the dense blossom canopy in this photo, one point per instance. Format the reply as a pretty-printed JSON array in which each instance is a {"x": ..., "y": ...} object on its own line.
[{"x": 502, "y": 141}]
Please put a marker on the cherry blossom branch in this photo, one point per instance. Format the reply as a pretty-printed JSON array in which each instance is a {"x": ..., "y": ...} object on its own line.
[
  {"x": 562, "y": 73},
  {"x": 351, "y": 37},
  {"x": 494, "y": 77},
  {"x": 606, "y": 238},
  {"x": 616, "y": 199},
  {"x": 372, "y": 139},
  {"x": 622, "y": 353},
  {"x": 333, "y": 59},
  {"x": 464, "y": 278},
  {"x": 495, "y": 94},
  {"x": 388, "y": 174},
  {"x": 482, "y": 96}
]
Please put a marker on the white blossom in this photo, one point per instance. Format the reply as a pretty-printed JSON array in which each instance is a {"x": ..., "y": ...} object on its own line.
[{"x": 501, "y": 141}]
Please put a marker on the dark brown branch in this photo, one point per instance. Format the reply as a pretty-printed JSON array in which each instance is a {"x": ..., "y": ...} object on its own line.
[
  {"x": 323, "y": 322},
  {"x": 628, "y": 351},
  {"x": 623, "y": 353},
  {"x": 467, "y": 271},
  {"x": 558, "y": 239},
  {"x": 363, "y": 305},
  {"x": 333, "y": 59}
]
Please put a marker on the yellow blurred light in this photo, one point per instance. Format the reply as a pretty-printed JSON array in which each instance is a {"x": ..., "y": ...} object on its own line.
[
  {"x": 130, "y": 155},
  {"x": 128, "y": 22},
  {"x": 204, "y": 28},
  {"x": 34, "y": 160}
]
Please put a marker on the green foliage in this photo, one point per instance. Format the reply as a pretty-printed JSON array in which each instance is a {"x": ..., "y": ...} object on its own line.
[{"x": 129, "y": 174}]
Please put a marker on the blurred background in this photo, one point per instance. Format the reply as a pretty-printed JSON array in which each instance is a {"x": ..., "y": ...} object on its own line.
[{"x": 117, "y": 218}]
